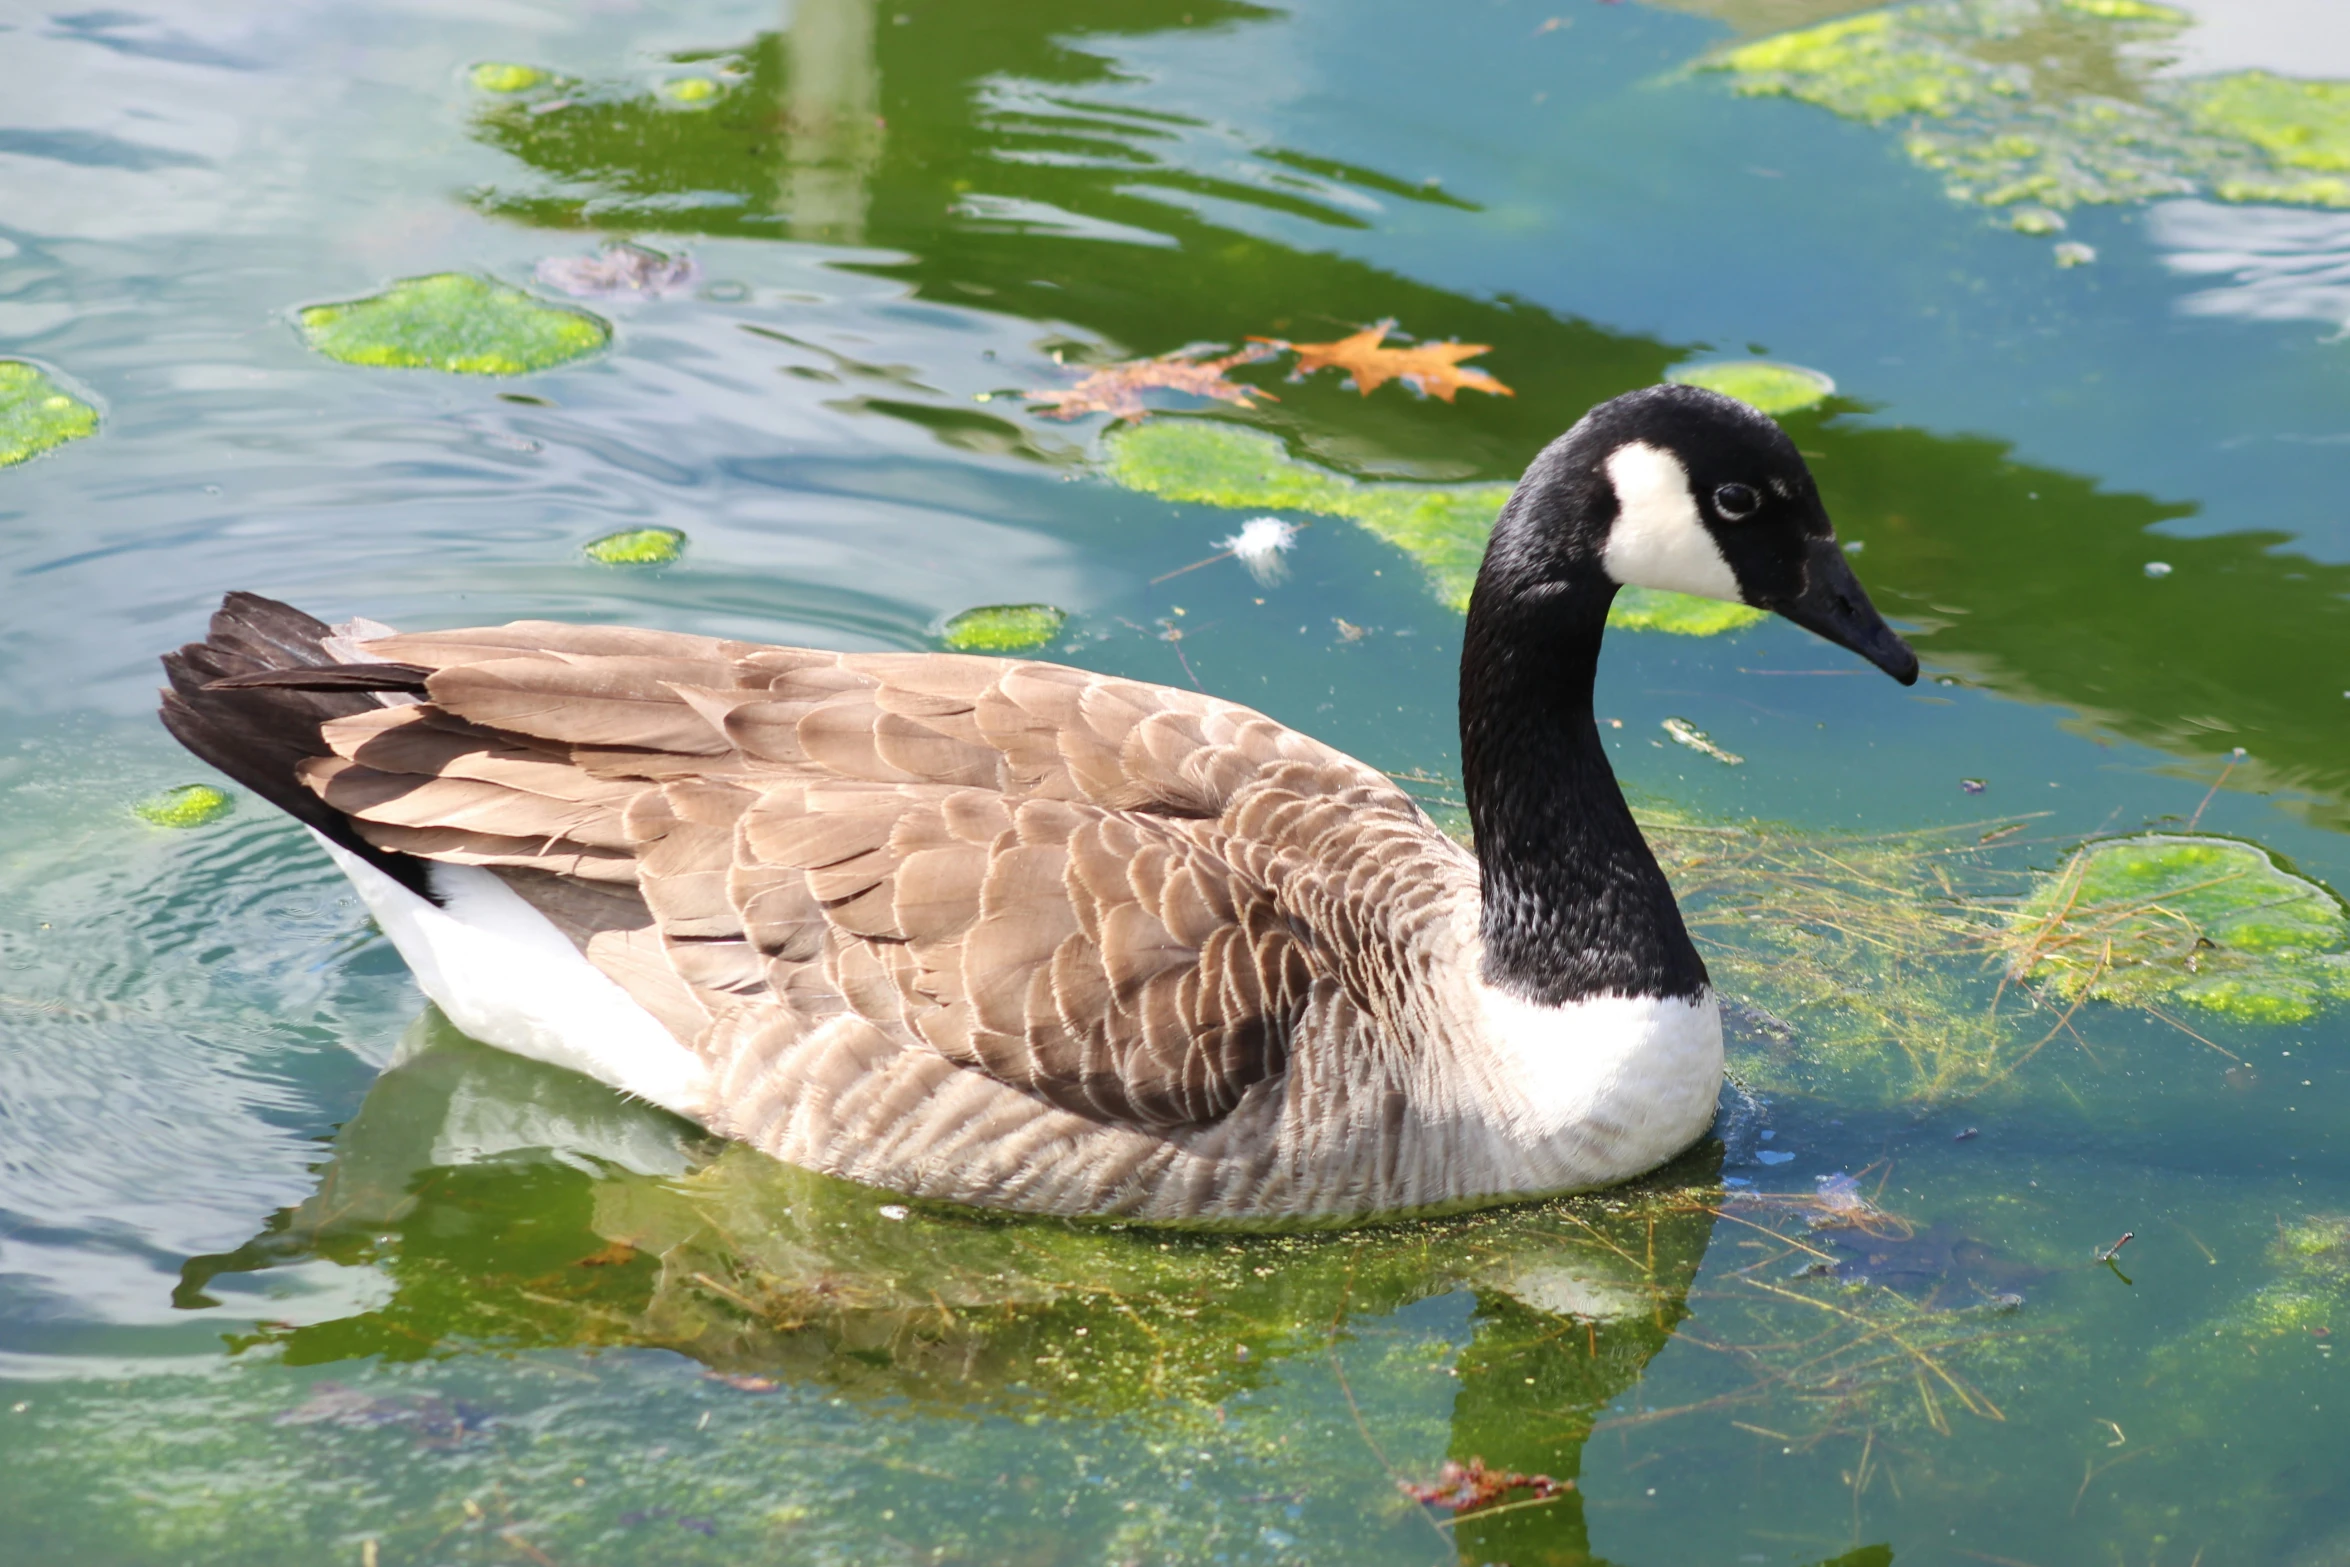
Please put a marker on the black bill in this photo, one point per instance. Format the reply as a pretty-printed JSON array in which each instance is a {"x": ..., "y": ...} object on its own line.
[{"x": 1833, "y": 604}]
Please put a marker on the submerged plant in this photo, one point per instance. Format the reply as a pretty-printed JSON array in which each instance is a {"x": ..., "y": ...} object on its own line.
[
  {"x": 1815, "y": 1330},
  {"x": 1866, "y": 959},
  {"x": 453, "y": 321},
  {"x": 2310, "y": 1292},
  {"x": 1927, "y": 966}
]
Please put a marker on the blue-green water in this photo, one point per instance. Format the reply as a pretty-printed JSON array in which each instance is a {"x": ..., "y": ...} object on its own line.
[{"x": 262, "y": 1301}]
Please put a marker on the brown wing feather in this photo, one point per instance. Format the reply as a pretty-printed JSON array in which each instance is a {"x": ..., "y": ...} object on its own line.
[{"x": 1094, "y": 890}]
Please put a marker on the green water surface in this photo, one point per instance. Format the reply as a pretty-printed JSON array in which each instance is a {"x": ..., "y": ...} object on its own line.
[{"x": 292, "y": 1273}]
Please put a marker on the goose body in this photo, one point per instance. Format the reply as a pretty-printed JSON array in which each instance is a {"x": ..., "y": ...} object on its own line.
[{"x": 1014, "y": 934}]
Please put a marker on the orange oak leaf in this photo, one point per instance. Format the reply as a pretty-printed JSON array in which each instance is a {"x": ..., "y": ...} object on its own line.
[
  {"x": 1432, "y": 369},
  {"x": 1117, "y": 389}
]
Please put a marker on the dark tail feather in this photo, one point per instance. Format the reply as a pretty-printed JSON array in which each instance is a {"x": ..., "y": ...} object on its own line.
[
  {"x": 340, "y": 677},
  {"x": 250, "y": 699}
]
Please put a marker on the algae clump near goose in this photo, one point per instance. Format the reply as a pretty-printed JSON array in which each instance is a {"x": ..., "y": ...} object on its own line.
[
  {"x": 1759, "y": 383},
  {"x": 2210, "y": 921},
  {"x": 1928, "y": 966}
]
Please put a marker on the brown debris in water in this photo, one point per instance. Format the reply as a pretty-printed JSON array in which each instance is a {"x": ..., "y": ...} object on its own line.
[
  {"x": 1117, "y": 389},
  {"x": 1461, "y": 1488},
  {"x": 620, "y": 270}
]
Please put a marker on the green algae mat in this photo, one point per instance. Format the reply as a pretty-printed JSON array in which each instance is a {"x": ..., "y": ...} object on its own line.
[
  {"x": 2212, "y": 923},
  {"x": 1773, "y": 388},
  {"x": 1003, "y": 628},
  {"x": 1119, "y": 333},
  {"x": 2034, "y": 106},
  {"x": 189, "y": 805},
  {"x": 637, "y": 547},
  {"x": 452, "y": 321},
  {"x": 37, "y": 414}
]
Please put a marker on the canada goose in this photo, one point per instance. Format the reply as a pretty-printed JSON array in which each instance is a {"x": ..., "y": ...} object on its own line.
[{"x": 1014, "y": 934}]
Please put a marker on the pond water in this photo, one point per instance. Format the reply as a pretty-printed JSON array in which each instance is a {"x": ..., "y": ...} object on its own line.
[{"x": 289, "y": 1272}]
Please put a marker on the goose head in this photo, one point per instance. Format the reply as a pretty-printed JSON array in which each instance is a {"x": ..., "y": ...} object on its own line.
[{"x": 1687, "y": 490}]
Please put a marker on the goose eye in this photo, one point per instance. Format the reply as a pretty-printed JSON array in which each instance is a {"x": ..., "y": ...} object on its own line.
[{"x": 1736, "y": 502}]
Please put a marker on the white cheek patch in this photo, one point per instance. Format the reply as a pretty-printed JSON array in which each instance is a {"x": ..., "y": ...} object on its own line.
[{"x": 1658, "y": 540}]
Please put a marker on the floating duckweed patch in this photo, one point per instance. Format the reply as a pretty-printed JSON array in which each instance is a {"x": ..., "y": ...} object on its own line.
[
  {"x": 36, "y": 413},
  {"x": 1443, "y": 527},
  {"x": 690, "y": 90},
  {"x": 1003, "y": 628},
  {"x": 638, "y": 547},
  {"x": 189, "y": 805},
  {"x": 1773, "y": 388},
  {"x": 2215, "y": 922},
  {"x": 2055, "y": 103},
  {"x": 503, "y": 76},
  {"x": 453, "y": 321}
]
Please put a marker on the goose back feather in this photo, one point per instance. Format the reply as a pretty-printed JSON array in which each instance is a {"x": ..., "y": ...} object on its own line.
[{"x": 990, "y": 931}]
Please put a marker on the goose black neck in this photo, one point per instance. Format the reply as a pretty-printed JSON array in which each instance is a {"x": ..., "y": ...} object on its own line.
[{"x": 1574, "y": 903}]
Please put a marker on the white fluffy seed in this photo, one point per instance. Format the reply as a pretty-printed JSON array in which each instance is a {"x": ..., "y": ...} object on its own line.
[{"x": 1260, "y": 544}]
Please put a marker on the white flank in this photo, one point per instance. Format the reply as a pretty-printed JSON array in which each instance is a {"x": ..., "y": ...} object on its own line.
[
  {"x": 1260, "y": 544},
  {"x": 1633, "y": 1077},
  {"x": 509, "y": 978},
  {"x": 1659, "y": 540}
]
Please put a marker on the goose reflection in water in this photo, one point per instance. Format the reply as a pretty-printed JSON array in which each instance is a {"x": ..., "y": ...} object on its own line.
[{"x": 513, "y": 1206}]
